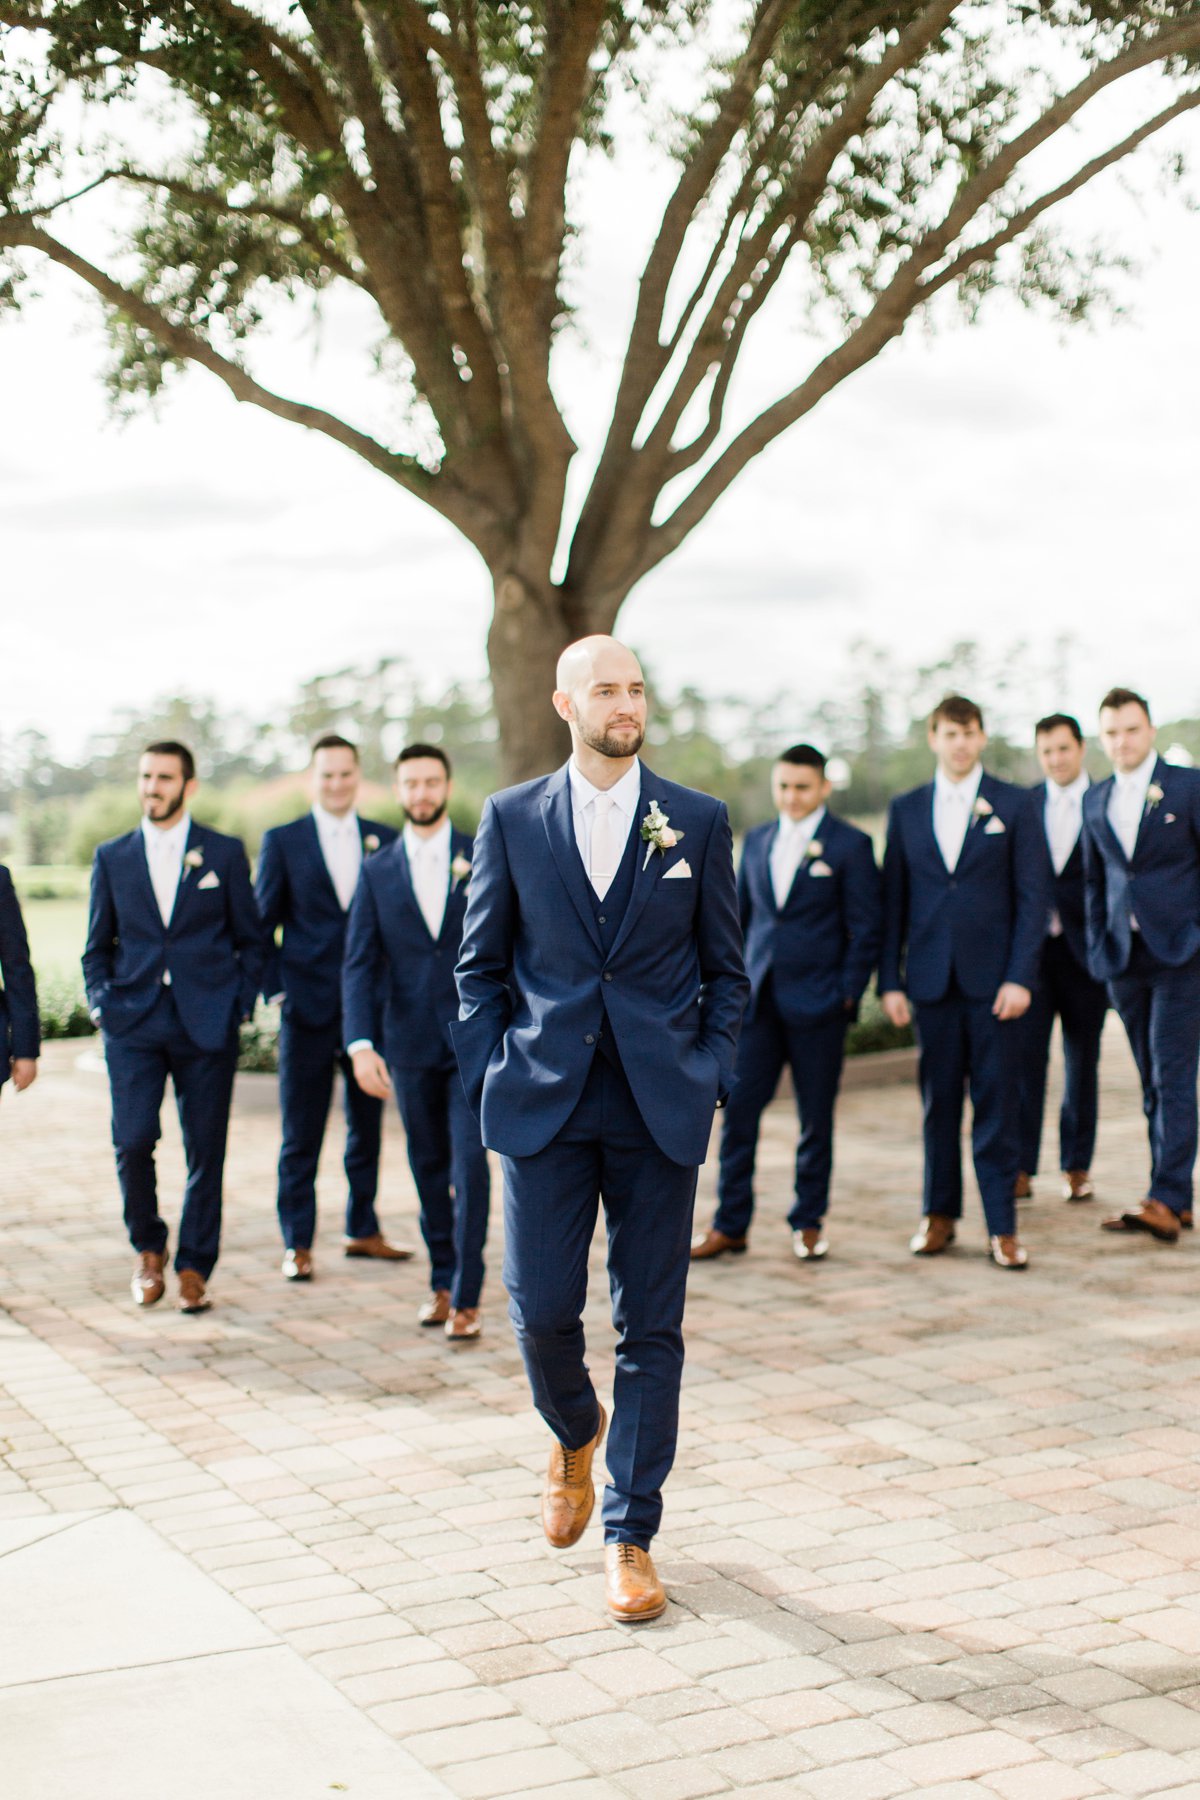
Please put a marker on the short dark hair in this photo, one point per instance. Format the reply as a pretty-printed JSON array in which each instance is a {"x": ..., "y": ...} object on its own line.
[
  {"x": 333, "y": 740},
  {"x": 411, "y": 752},
  {"x": 169, "y": 747},
  {"x": 1053, "y": 721},
  {"x": 803, "y": 756},
  {"x": 956, "y": 709},
  {"x": 1119, "y": 696}
]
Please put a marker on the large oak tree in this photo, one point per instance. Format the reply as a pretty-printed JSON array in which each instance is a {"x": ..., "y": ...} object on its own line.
[{"x": 859, "y": 156}]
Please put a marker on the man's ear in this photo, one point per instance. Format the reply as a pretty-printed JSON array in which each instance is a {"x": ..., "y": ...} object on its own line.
[{"x": 562, "y": 705}]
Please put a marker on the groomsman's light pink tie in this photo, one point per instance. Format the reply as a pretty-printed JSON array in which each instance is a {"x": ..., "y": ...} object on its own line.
[{"x": 606, "y": 843}]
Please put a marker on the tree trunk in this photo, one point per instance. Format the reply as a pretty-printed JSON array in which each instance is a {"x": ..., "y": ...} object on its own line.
[{"x": 529, "y": 630}]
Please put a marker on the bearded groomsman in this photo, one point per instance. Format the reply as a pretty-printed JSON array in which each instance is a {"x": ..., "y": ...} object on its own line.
[
  {"x": 173, "y": 962},
  {"x": 308, "y": 871},
  {"x": 20, "y": 1027},
  {"x": 1063, "y": 988},
  {"x": 399, "y": 998},
  {"x": 808, "y": 891},
  {"x": 1141, "y": 850},
  {"x": 966, "y": 893}
]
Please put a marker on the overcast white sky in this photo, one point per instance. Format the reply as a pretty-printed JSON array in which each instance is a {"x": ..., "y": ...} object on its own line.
[{"x": 1001, "y": 483}]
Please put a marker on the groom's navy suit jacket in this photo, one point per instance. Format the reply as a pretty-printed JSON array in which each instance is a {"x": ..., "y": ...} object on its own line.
[
  {"x": 397, "y": 981},
  {"x": 213, "y": 946},
  {"x": 1160, "y": 887},
  {"x": 981, "y": 924},
  {"x": 537, "y": 987},
  {"x": 20, "y": 1031},
  {"x": 294, "y": 890},
  {"x": 819, "y": 948}
]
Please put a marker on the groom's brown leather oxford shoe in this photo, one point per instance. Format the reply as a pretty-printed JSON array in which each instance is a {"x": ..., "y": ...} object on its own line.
[
  {"x": 569, "y": 1493},
  {"x": 935, "y": 1235},
  {"x": 148, "y": 1284},
  {"x": 297, "y": 1265},
  {"x": 1077, "y": 1185},
  {"x": 1009, "y": 1253},
  {"x": 1152, "y": 1217},
  {"x": 192, "y": 1295},
  {"x": 715, "y": 1243},
  {"x": 631, "y": 1585},
  {"x": 377, "y": 1246},
  {"x": 1022, "y": 1186}
]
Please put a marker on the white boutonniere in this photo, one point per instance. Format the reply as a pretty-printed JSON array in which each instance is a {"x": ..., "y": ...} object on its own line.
[
  {"x": 814, "y": 849},
  {"x": 1154, "y": 796},
  {"x": 657, "y": 834},
  {"x": 460, "y": 871},
  {"x": 193, "y": 859},
  {"x": 370, "y": 842},
  {"x": 982, "y": 808}
]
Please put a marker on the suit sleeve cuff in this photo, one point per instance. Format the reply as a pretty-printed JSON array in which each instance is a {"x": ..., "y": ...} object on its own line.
[{"x": 359, "y": 1044}]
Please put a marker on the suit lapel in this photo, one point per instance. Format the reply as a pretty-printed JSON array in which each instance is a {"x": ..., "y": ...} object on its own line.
[
  {"x": 1157, "y": 776},
  {"x": 139, "y": 858},
  {"x": 764, "y": 850},
  {"x": 802, "y": 872},
  {"x": 559, "y": 827},
  {"x": 647, "y": 869},
  {"x": 187, "y": 877},
  {"x": 408, "y": 893},
  {"x": 977, "y": 823},
  {"x": 318, "y": 857},
  {"x": 926, "y": 835}
]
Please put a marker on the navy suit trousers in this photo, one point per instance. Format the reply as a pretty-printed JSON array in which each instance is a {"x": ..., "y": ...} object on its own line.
[
  {"x": 450, "y": 1169},
  {"x": 139, "y": 1062},
  {"x": 1067, "y": 992},
  {"x": 1160, "y": 1010},
  {"x": 308, "y": 1056},
  {"x": 962, "y": 1045},
  {"x": 814, "y": 1050},
  {"x": 604, "y": 1152}
]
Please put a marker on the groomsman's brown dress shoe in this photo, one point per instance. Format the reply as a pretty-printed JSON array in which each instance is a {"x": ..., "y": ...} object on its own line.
[
  {"x": 464, "y": 1325},
  {"x": 297, "y": 1265},
  {"x": 436, "y": 1310},
  {"x": 1009, "y": 1253},
  {"x": 715, "y": 1243},
  {"x": 936, "y": 1234},
  {"x": 631, "y": 1585},
  {"x": 1185, "y": 1219},
  {"x": 569, "y": 1493},
  {"x": 1077, "y": 1185},
  {"x": 1151, "y": 1216},
  {"x": 376, "y": 1246},
  {"x": 1022, "y": 1187},
  {"x": 809, "y": 1244},
  {"x": 148, "y": 1284},
  {"x": 192, "y": 1297}
]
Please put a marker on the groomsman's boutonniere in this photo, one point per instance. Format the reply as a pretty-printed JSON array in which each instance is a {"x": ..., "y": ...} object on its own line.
[
  {"x": 193, "y": 859},
  {"x": 370, "y": 842},
  {"x": 813, "y": 849},
  {"x": 460, "y": 871},
  {"x": 982, "y": 808},
  {"x": 657, "y": 834},
  {"x": 1154, "y": 796}
]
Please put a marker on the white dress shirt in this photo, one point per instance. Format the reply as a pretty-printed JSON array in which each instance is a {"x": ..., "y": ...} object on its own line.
[
  {"x": 1127, "y": 802},
  {"x": 429, "y": 867},
  {"x": 164, "y": 858},
  {"x": 624, "y": 798},
  {"x": 341, "y": 846},
  {"x": 953, "y": 802},
  {"x": 1064, "y": 822},
  {"x": 789, "y": 849}
]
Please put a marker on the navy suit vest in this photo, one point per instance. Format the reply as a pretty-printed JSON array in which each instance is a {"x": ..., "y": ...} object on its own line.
[{"x": 609, "y": 913}]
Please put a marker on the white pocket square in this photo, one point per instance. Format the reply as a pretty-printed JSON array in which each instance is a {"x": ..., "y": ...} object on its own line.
[
  {"x": 1170, "y": 819},
  {"x": 680, "y": 871},
  {"x": 211, "y": 880},
  {"x": 818, "y": 869},
  {"x": 994, "y": 827}
]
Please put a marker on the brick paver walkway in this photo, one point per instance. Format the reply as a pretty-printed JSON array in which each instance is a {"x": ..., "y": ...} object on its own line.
[{"x": 934, "y": 1528}]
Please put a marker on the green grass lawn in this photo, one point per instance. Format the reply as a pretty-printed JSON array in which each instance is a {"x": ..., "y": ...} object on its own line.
[{"x": 57, "y": 932}]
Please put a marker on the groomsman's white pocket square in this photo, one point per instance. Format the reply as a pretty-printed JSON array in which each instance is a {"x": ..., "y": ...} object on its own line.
[
  {"x": 211, "y": 880},
  {"x": 817, "y": 869},
  {"x": 680, "y": 871},
  {"x": 994, "y": 827},
  {"x": 1169, "y": 819}
]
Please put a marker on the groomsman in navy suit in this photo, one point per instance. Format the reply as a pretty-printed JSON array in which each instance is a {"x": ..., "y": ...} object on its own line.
[
  {"x": 399, "y": 999},
  {"x": 808, "y": 890},
  {"x": 20, "y": 1027},
  {"x": 1141, "y": 859},
  {"x": 966, "y": 894},
  {"x": 1063, "y": 988},
  {"x": 173, "y": 963},
  {"x": 308, "y": 871},
  {"x": 602, "y": 985}
]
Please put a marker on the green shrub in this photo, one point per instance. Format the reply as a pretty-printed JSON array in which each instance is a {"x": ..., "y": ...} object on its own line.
[
  {"x": 63, "y": 1007},
  {"x": 873, "y": 1031}
]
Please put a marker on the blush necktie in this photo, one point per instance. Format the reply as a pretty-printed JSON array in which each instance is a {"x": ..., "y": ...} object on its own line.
[{"x": 606, "y": 844}]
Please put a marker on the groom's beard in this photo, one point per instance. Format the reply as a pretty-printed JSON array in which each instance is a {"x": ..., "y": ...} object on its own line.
[
  {"x": 426, "y": 815},
  {"x": 171, "y": 809},
  {"x": 607, "y": 745}
]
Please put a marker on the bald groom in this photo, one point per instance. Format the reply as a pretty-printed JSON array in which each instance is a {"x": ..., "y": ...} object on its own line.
[{"x": 601, "y": 986}]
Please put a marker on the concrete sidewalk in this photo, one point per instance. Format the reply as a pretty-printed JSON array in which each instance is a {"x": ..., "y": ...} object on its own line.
[{"x": 933, "y": 1529}]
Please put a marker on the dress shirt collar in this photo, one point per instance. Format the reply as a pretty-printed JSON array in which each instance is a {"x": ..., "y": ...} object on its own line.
[
  {"x": 967, "y": 789},
  {"x": 1072, "y": 791},
  {"x": 334, "y": 824},
  {"x": 173, "y": 838},
  {"x": 624, "y": 794},
  {"x": 436, "y": 844},
  {"x": 801, "y": 830},
  {"x": 1136, "y": 781}
]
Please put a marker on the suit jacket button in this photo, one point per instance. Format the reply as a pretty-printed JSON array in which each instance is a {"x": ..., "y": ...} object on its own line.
[
  {"x": 607, "y": 976},
  {"x": 590, "y": 1038},
  {"x": 603, "y": 919}
]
